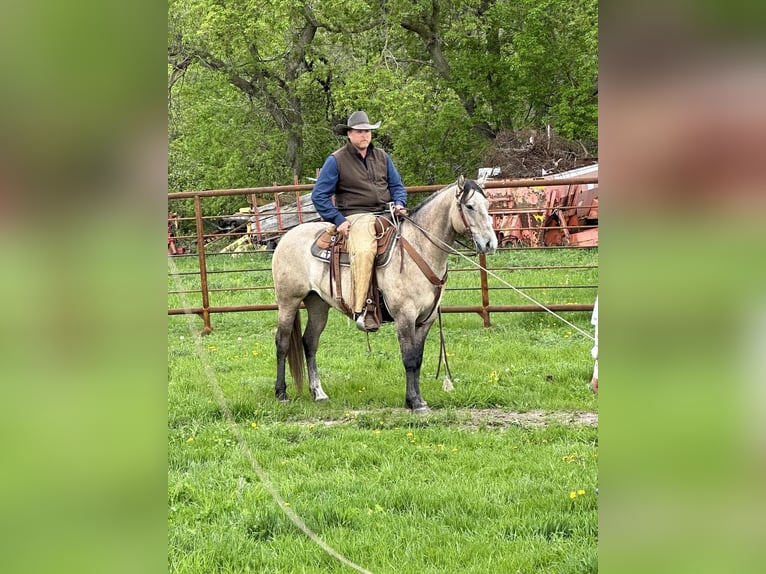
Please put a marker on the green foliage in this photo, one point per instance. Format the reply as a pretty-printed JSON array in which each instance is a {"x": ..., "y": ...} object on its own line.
[
  {"x": 257, "y": 87},
  {"x": 554, "y": 61},
  {"x": 218, "y": 142},
  {"x": 424, "y": 127}
]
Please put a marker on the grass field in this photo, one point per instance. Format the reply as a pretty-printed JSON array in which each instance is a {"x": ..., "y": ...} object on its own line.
[{"x": 501, "y": 477}]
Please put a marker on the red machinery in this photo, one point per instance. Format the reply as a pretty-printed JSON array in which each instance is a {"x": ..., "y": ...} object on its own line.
[{"x": 547, "y": 216}]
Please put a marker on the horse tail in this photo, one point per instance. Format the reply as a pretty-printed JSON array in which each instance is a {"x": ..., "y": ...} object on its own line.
[{"x": 296, "y": 360}]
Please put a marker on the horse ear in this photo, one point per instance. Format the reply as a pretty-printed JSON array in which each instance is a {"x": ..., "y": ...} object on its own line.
[{"x": 461, "y": 181}]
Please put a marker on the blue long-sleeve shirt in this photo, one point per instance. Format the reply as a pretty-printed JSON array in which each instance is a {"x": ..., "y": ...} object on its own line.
[{"x": 325, "y": 185}]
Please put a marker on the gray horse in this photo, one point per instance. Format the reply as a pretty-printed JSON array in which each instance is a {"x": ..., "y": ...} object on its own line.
[{"x": 412, "y": 289}]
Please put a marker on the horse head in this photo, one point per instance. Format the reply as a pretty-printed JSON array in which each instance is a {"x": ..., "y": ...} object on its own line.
[{"x": 472, "y": 216}]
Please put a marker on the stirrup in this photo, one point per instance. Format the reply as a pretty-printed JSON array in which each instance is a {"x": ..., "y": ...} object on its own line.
[{"x": 366, "y": 321}]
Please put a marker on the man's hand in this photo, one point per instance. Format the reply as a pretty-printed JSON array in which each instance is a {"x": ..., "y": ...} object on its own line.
[
  {"x": 400, "y": 210},
  {"x": 343, "y": 228}
]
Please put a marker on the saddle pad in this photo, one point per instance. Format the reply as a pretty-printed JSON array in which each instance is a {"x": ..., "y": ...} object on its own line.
[{"x": 323, "y": 243}]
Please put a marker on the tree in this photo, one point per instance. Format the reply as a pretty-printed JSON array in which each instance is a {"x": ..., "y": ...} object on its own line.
[
  {"x": 256, "y": 87},
  {"x": 263, "y": 53},
  {"x": 514, "y": 62}
]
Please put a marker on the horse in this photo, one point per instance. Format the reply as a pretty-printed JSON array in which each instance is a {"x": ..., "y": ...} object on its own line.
[{"x": 410, "y": 296}]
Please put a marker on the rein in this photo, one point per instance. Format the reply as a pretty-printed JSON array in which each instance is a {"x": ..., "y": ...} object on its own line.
[
  {"x": 461, "y": 197},
  {"x": 420, "y": 262}
]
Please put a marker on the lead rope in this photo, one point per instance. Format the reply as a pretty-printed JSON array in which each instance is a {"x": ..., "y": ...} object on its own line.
[
  {"x": 453, "y": 251},
  {"x": 369, "y": 347},
  {"x": 447, "y": 385},
  {"x": 244, "y": 448}
]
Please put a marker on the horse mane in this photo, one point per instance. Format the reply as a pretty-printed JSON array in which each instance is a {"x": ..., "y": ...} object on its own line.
[
  {"x": 471, "y": 184},
  {"x": 431, "y": 197}
]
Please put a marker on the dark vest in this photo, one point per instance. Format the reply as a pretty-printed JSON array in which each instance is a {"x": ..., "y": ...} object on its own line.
[{"x": 361, "y": 188}]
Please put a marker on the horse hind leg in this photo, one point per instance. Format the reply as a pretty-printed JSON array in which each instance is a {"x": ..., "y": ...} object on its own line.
[
  {"x": 317, "y": 320},
  {"x": 287, "y": 342}
]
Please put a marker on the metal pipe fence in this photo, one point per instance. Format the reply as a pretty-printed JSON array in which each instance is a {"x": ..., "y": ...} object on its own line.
[{"x": 191, "y": 241}]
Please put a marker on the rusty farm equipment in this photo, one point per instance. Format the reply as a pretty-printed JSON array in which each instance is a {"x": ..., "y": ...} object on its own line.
[
  {"x": 261, "y": 227},
  {"x": 546, "y": 216}
]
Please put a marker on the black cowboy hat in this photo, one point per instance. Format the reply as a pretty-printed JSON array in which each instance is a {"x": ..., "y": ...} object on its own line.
[{"x": 356, "y": 121}]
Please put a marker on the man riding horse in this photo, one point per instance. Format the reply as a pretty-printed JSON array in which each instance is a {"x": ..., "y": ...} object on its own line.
[{"x": 364, "y": 181}]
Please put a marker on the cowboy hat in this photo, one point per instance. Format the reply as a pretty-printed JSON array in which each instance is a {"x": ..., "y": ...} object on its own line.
[{"x": 356, "y": 121}]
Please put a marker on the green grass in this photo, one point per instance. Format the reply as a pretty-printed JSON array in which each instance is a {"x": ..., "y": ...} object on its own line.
[{"x": 391, "y": 491}]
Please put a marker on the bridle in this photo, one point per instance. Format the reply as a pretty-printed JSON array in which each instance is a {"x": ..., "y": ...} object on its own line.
[{"x": 462, "y": 196}]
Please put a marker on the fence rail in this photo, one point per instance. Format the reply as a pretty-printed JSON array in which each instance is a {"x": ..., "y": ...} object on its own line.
[{"x": 203, "y": 241}]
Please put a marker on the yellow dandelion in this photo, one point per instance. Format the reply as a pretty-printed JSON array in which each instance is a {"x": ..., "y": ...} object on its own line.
[
  {"x": 190, "y": 439},
  {"x": 254, "y": 425},
  {"x": 377, "y": 431},
  {"x": 572, "y": 495},
  {"x": 580, "y": 492}
]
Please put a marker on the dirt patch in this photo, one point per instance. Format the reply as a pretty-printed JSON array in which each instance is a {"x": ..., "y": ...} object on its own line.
[
  {"x": 476, "y": 418},
  {"x": 501, "y": 418}
]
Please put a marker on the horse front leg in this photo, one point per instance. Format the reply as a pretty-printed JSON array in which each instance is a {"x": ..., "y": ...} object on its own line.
[{"x": 412, "y": 339}]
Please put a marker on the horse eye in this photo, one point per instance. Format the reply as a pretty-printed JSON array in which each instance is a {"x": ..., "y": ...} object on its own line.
[{"x": 469, "y": 206}]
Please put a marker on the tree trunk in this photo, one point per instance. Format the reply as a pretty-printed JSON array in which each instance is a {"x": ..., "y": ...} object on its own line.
[{"x": 428, "y": 30}]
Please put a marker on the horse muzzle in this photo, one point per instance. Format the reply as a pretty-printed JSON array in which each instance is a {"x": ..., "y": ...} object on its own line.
[{"x": 485, "y": 244}]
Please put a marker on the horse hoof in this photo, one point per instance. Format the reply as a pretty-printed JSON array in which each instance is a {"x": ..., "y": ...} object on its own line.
[
  {"x": 283, "y": 399},
  {"x": 421, "y": 410}
]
